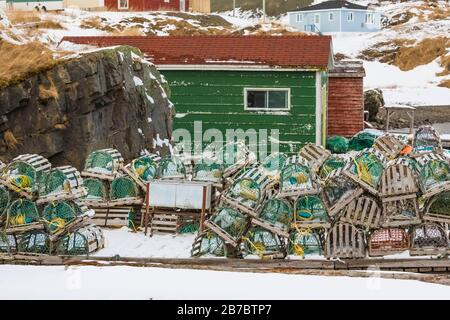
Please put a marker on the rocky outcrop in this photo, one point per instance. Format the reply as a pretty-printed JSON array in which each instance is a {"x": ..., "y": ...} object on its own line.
[
  {"x": 105, "y": 98},
  {"x": 373, "y": 101}
]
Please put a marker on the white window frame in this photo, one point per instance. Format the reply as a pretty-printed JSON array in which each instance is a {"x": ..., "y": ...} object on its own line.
[
  {"x": 120, "y": 7},
  {"x": 368, "y": 20},
  {"x": 330, "y": 16},
  {"x": 288, "y": 90},
  {"x": 167, "y": 1},
  {"x": 350, "y": 16},
  {"x": 317, "y": 15},
  {"x": 299, "y": 17}
]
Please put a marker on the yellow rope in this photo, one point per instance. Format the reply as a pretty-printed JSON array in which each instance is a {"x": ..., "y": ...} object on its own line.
[{"x": 258, "y": 247}]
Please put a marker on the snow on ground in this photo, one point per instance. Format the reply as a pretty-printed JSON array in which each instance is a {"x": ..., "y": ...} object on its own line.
[{"x": 38, "y": 282}]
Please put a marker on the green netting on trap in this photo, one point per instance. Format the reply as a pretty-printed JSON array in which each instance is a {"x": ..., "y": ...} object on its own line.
[
  {"x": 81, "y": 242},
  {"x": 53, "y": 182},
  {"x": 434, "y": 173},
  {"x": 331, "y": 164},
  {"x": 189, "y": 228},
  {"x": 305, "y": 242},
  {"x": 22, "y": 212},
  {"x": 171, "y": 168},
  {"x": 34, "y": 241},
  {"x": 4, "y": 201},
  {"x": 426, "y": 139},
  {"x": 145, "y": 168},
  {"x": 440, "y": 204},
  {"x": 133, "y": 222},
  {"x": 362, "y": 140},
  {"x": 122, "y": 188},
  {"x": 57, "y": 215},
  {"x": 262, "y": 242},
  {"x": 211, "y": 244},
  {"x": 296, "y": 177},
  {"x": 231, "y": 221},
  {"x": 100, "y": 161},
  {"x": 96, "y": 189},
  {"x": 368, "y": 167},
  {"x": 337, "y": 144},
  {"x": 338, "y": 187},
  {"x": 208, "y": 170},
  {"x": 8, "y": 243},
  {"x": 22, "y": 175},
  {"x": 246, "y": 191},
  {"x": 311, "y": 209},
  {"x": 273, "y": 164},
  {"x": 277, "y": 212}
]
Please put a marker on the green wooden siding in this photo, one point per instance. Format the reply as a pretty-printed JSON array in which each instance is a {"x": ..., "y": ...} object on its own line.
[{"x": 217, "y": 99}]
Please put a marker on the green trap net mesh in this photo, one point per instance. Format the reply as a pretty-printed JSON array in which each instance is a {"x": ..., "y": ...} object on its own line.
[
  {"x": 273, "y": 164},
  {"x": 211, "y": 244},
  {"x": 189, "y": 228},
  {"x": 96, "y": 190},
  {"x": 35, "y": 241},
  {"x": 81, "y": 242},
  {"x": 8, "y": 243},
  {"x": 57, "y": 215},
  {"x": 54, "y": 182},
  {"x": 122, "y": 188},
  {"x": 296, "y": 177},
  {"x": 145, "y": 168},
  {"x": 362, "y": 140},
  {"x": 426, "y": 139},
  {"x": 434, "y": 173},
  {"x": 22, "y": 212},
  {"x": 171, "y": 167},
  {"x": 262, "y": 242},
  {"x": 230, "y": 221},
  {"x": 331, "y": 164},
  {"x": 440, "y": 204},
  {"x": 277, "y": 212},
  {"x": 337, "y": 144},
  {"x": 369, "y": 168},
  {"x": 246, "y": 191},
  {"x": 338, "y": 187},
  {"x": 208, "y": 170},
  {"x": 22, "y": 175},
  {"x": 4, "y": 201},
  {"x": 305, "y": 242},
  {"x": 100, "y": 161},
  {"x": 310, "y": 209}
]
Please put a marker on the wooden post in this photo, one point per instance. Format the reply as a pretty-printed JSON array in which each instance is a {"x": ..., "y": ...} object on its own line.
[
  {"x": 147, "y": 206},
  {"x": 202, "y": 214},
  {"x": 388, "y": 112},
  {"x": 234, "y": 8},
  {"x": 264, "y": 11}
]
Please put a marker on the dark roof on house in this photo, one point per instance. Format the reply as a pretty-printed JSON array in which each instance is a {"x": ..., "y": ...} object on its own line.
[
  {"x": 299, "y": 51},
  {"x": 334, "y": 4}
]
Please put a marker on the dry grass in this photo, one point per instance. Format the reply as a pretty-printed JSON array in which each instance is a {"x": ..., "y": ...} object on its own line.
[
  {"x": 49, "y": 24},
  {"x": 445, "y": 84},
  {"x": 422, "y": 53},
  {"x": 445, "y": 63},
  {"x": 48, "y": 92},
  {"x": 20, "y": 17},
  {"x": 22, "y": 61},
  {"x": 132, "y": 31},
  {"x": 92, "y": 23},
  {"x": 10, "y": 140}
]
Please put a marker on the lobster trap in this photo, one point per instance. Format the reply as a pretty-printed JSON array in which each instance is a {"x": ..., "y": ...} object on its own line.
[
  {"x": 399, "y": 178},
  {"x": 401, "y": 212},
  {"x": 426, "y": 140},
  {"x": 275, "y": 216},
  {"x": 331, "y": 164},
  {"x": 229, "y": 224},
  {"x": 428, "y": 239},
  {"x": 35, "y": 242},
  {"x": 248, "y": 191},
  {"x": 5, "y": 198},
  {"x": 143, "y": 169},
  {"x": 23, "y": 174},
  {"x": 314, "y": 155},
  {"x": 263, "y": 243},
  {"x": 22, "y": 215},
  {"x": 305, "y": 242},
  {"x": 171, "y": 168},
  {"x": 61, "y": 183},
  {"x": 209, "y": 244},
  {"x": 297, "y": 179},
  {"x": 366, "y": 169},
  {"x": 124, "y": 192},
  {"x": 97, "y": 192},
  {"x": 389, "y": 145},
  {"x": 103, "y": 164},
  {"x": 338, "y": 191},
  {"x": 438, "y": 208},
  {"x": 8, "y": 243},
  {"x": 363, "y": 211},
  {"x": 209, "y": 170},
  {"x": 387, "y": 241},
  {"x": 81, "y": 242},
  {"x": 345, "y": 241},
  {"x": 434, "y": 174},
  {"x": 310, "y": 212},
  {"x": 272, "y": 166}
]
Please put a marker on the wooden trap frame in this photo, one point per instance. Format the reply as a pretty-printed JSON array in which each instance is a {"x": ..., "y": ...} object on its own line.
[
  {"x": 363, "y": 211},
  {"x": 428, "y": 239},
  {"x": 61, "y": 183},
  {"x": 310, "y": 212},
  {"x": 275, "y": 215},
  {"x": 345, "y": 241},
  {"x": 389, "y": 145},
  {"x": 314, "y": 155},
  {"x": 437, "y": 208},
  {"x": 264, "y": 243},
  {"x": 297, "y": 179},
  {"x": 143, "y": 169},
  {"x": 434, "y": 174},
  {"x": 387, "y": 241},
  {"x": 104, "y": 164},
  {"x": 426, "y": 140}
]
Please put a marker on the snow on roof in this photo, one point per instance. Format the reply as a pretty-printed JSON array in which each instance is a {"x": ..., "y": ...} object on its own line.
[{"x": 334, "y": 4}]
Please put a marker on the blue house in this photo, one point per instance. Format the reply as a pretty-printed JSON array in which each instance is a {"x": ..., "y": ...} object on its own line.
[{"x": 335, "y": 16}]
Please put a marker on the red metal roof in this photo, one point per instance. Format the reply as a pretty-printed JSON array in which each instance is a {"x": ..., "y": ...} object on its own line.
[{"x": 299, "y": 51}]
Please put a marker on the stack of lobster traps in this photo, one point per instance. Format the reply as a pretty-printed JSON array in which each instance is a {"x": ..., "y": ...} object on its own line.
[{"x": 41, "y": 209}]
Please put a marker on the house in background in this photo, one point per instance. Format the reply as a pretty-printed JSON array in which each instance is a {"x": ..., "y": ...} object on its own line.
[
  {"x": 201, "y": 6},
  {"x": 84, "y": 4},
  {"x": 147, "y": 5},
  {"x": 335, "y": 16},
  {"x": 43, "y": 5}
]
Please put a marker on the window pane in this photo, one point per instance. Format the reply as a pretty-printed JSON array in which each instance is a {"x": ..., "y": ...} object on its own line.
[
  {"x": 256, "y": 99},
  {"x": 278, "y": 100}
]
